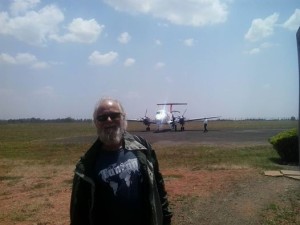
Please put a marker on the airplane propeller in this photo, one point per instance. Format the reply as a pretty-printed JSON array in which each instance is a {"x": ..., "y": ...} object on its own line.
[
  {"x": 181, "y": 120},
  {"x": 146, "y": 120}
]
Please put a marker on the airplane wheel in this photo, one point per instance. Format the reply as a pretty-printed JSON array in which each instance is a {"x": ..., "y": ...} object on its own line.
[{"x": 148, "y": 129}]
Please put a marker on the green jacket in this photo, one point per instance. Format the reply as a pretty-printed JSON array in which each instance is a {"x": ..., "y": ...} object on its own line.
[{"x": 82, "y": 198}]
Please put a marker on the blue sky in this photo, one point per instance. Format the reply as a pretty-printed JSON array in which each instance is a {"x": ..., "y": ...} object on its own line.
[{"x": 231, "y": 58}]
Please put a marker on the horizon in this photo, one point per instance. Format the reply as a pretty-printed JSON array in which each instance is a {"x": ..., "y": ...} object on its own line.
[{"x": 70, "y": 119}]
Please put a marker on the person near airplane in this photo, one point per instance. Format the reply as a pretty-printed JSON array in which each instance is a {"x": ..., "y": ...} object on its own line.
[
  {"x": 205, "y": 122},
  {"x": 118, "y": 180}
]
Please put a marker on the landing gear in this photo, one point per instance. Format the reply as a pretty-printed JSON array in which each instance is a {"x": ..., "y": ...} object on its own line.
[
  {"x": 182, "y": 128},
  {"x": 147, "y": 128}
]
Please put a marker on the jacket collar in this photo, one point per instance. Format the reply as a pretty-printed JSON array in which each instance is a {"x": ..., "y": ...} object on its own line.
[
  {"x": 130, "y": 143},
  {"x": 87, "y": 161}
]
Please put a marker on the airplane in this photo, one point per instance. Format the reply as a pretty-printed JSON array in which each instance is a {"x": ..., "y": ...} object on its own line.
[{"x": 163, "y": 117}]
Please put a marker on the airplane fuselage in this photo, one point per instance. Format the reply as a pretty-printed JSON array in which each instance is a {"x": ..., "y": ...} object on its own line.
[{"x": 163, "y": 117}]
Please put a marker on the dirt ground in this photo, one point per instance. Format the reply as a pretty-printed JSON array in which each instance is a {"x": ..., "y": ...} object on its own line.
[
  {"x": 40, "y": 194},
  {"x": 226, "y": 196}
]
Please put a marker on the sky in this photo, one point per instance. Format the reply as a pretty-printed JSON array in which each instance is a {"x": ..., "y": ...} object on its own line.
[{"x": 231, "y": 58}]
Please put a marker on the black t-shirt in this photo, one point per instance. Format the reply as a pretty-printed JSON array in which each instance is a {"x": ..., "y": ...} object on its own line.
[{"x": 119, "y": 193}]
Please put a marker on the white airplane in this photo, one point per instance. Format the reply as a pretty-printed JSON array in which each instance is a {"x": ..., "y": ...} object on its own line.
[{"x": 163, "y": 117}]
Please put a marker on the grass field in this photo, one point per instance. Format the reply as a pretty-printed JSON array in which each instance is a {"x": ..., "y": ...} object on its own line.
[{"x": 37, "y": 163}]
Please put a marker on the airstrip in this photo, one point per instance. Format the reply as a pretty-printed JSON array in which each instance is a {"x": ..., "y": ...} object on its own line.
[{"x": 212, "y": 137}]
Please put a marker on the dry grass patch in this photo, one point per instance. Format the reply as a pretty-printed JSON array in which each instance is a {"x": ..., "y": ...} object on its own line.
[{"x": 40, "y": 194}]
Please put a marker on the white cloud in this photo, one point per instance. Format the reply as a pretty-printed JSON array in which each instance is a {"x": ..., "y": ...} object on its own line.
[
  {"x": 261, "y": 28},
  {"x": 21, "y": 6},
  {"x": 7, "y": 59},
  {"x": 32, "y": 27},
  {"x": 189, "y": 42},
  {"x": 259, "y": 49},
  {"x": 25, "y": 59},
  {"x": 163, "y": 25},
  {"x": 159, "y": 65},
  {"x": 253, "y": 51},
  {"x": 37, "y": 26},
  {"x": 129, "y": 62},
  {"x": 293, "y": 23},
  {"x": 189, "y": 12},
  {"x": 80, "y": 30},
  {"x": 124, "y": 38},
  {"x": 96, "y": 58}
]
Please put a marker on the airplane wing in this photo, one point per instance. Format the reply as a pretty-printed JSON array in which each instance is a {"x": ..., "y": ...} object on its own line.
[
  {"x": 142, "y": 120},
  {"x": 145, "y": 120},
  {"x": 200, "y": 119}
]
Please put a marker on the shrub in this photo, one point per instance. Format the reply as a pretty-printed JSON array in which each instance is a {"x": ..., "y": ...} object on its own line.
[{"x": 286, "y": 145}]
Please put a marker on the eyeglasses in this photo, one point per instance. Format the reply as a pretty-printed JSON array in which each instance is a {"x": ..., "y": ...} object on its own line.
[{"x": 112, "y": 116}]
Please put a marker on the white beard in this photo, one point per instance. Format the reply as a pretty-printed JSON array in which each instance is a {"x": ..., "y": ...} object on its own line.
[{"x": 111, "y": 136}]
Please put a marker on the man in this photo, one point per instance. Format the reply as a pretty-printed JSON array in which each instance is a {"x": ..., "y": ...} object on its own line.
[
  {"x": 205, "y": 122},
  {"x": 118, "y": 181}
]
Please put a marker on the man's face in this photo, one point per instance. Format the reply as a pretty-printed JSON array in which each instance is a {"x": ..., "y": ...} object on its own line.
[{"x": 110, "y": 123}]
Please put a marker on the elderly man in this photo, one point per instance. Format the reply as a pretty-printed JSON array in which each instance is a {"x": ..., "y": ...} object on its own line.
[{"x": 118, "y": 181}]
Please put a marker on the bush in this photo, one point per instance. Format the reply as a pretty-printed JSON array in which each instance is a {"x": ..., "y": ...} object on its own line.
[{"x": 286, "y": 145}]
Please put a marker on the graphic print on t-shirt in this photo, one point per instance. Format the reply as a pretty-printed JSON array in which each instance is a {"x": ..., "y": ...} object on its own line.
[
  {"x": 123, "y": 170},
  {"x": 120, "y": 171}
]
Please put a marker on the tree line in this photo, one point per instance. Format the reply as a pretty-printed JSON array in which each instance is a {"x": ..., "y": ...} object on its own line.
[{"x": 38, "y": 120}]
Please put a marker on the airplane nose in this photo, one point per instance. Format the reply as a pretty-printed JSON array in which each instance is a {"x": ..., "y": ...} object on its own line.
[{"x": 158, "y": 117}]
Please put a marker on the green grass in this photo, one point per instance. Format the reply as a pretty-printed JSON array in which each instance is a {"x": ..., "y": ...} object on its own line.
[
  {"x": 44, "y": 142},
  {"x": 61, "y": 152},
  {"x": 58, "y": 143},
  {"x": 43, "y": 152},
  {"x": 205, "y": 157},
  {"x": 25, "y": 132}
]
